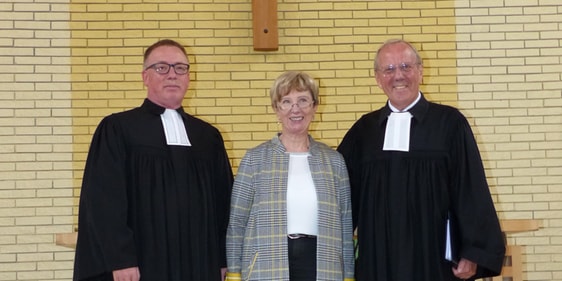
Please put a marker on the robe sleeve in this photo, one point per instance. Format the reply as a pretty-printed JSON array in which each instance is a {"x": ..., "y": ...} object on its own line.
[
  {"x": 105, "y": 242},
  {"x": 223, "y": 191},
  {"x": 471, "y": 203}
]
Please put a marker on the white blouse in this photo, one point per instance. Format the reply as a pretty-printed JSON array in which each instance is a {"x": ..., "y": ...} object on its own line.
[{"x": 302, "y": 203}]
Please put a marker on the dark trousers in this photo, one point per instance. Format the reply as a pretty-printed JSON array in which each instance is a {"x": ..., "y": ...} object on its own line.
[{"x": 302, "y": 259}]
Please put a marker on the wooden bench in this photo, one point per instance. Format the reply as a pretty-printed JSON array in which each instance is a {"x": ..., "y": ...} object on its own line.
[
  {"x": 512, "y": 269},
  {"x": 67, "y": 239}
]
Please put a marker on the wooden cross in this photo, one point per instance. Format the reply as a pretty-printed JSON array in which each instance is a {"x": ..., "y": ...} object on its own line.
[{"x": 264, "y": 18}]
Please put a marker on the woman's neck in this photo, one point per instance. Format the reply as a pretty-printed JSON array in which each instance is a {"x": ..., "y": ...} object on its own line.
[{"x": 295, "y": 143}]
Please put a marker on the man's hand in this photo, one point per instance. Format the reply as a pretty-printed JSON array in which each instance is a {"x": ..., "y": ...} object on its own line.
[
  {"x": 127, "y": 274},
  {"x": 465, "y": 269}
]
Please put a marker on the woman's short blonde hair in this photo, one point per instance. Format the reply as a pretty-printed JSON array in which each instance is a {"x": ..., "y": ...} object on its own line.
[{"x": 293, "y": 80}]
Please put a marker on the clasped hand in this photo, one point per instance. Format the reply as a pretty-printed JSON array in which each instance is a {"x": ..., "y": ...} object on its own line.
[{"x": 465, "y": 269}]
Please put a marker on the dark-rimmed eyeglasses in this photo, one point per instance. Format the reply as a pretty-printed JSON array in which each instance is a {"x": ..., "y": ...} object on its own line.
[
  {"x": 164, "y": 68},
  {"x": 391, "y": 68}
]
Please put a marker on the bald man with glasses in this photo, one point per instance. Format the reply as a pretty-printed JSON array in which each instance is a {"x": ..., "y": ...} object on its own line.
[{"x": 415, "y": 169}]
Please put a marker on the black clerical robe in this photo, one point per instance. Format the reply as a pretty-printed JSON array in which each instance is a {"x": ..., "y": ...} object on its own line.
[
  {"x": 148, "y": 204},
  {"x": 401, "y": 200}
]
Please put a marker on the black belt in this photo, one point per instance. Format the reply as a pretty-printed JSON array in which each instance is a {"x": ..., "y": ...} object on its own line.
[{"x": 300, "y": 235}]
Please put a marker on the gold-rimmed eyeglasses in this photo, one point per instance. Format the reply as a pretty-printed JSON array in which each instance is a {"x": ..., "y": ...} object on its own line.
[
  {"x": 391, "y": 68},
  {"x": 301, "y": 103}
]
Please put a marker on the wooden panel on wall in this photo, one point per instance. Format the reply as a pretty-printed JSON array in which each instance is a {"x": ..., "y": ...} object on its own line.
[{"x": 264, "y": 16}]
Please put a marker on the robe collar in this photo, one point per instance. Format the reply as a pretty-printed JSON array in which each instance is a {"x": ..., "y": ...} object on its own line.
[
  {"x": 418, "y": 111},
  {"x": 156, "y": 109}
]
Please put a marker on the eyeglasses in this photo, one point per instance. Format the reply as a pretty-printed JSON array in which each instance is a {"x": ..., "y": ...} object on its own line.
[
  {"x": 164, "y": 68},
  {"x": 301, "y": 103},
  {"x": 391, "y": 68}
]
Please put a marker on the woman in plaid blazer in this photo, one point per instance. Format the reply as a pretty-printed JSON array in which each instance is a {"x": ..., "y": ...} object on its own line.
[{"x": 290, "y": 216}]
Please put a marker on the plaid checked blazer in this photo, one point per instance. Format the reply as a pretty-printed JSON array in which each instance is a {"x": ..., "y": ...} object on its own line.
[{"x": 257, "y": 231}]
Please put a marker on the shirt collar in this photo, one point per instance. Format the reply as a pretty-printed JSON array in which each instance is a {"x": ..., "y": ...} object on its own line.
[
  {"x": 278, "y": 146},
  {"x": 418, "y": 109},
  {"x": 394, "y": 109}
]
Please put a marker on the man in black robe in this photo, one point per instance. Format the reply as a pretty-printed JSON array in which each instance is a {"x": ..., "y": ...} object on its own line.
[
  {"x": 412, "y": 165},
  {"x": 156, "y": 190}
]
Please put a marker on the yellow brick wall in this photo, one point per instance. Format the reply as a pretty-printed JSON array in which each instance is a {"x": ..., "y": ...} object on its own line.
[{"x": 64, "y": 65}]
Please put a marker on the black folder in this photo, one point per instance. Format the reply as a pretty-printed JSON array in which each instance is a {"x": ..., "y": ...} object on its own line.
[{"x": 452, "y": 241}]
